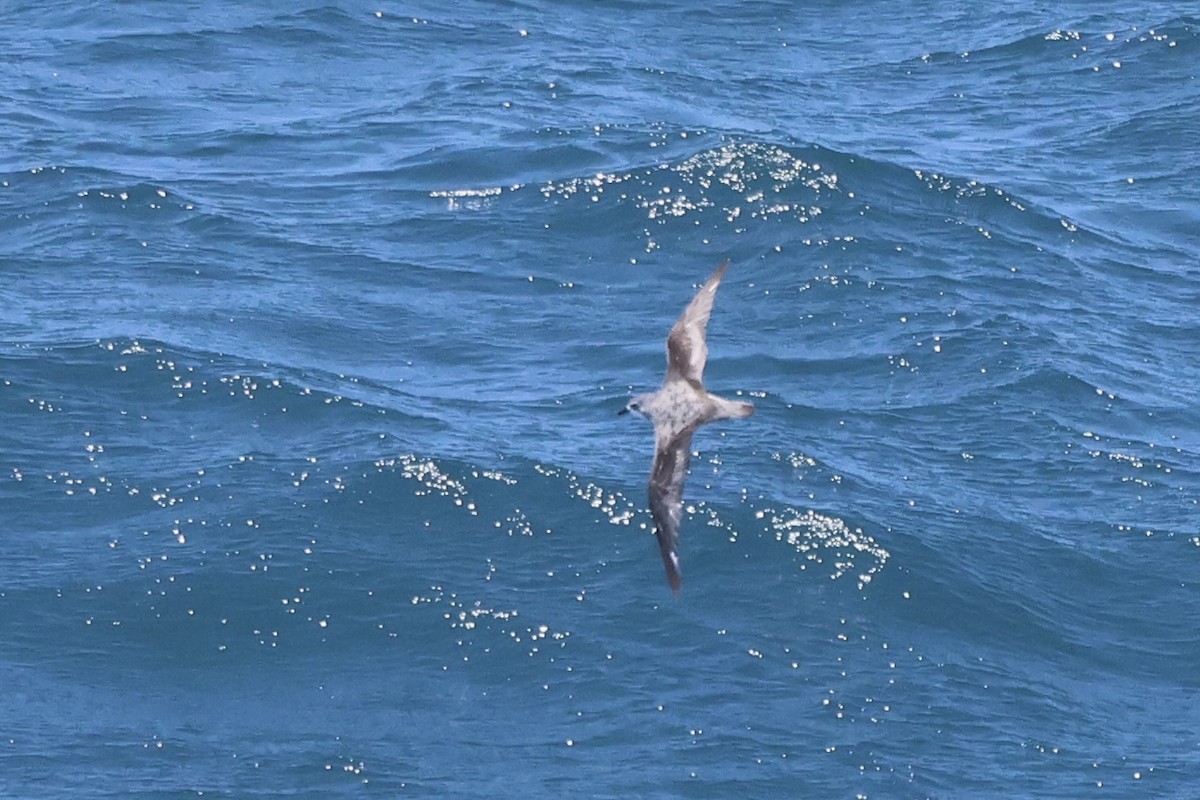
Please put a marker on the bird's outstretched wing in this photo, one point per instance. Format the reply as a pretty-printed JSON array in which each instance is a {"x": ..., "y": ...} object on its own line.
[
  {"x": 686, "y": 349},
  {"x": 666, "y": 499}
]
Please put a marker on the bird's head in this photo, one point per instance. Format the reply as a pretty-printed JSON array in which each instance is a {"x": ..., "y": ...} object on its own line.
[{"x": 635, "y": 405}]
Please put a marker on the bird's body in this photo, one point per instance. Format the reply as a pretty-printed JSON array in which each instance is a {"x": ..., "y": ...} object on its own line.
[{"x": 677, "y": 409}]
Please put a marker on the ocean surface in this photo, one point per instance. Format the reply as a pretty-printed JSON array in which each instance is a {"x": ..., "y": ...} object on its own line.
[{"x": 315, "y": 318}]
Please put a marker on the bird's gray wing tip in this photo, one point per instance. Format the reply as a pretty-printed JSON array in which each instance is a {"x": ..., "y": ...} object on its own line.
[
  {"x": 667, "y": 546},
  {"x": 674, "y": 575}
]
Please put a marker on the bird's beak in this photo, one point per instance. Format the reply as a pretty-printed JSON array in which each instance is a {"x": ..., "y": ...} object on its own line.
[{"x": 624, "y": 410}]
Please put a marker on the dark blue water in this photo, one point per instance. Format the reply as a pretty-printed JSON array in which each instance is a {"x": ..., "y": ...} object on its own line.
[{"x": 315, "y": 320}]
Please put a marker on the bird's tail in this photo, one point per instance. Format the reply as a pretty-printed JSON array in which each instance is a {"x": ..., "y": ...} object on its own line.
[{"x": 732, "y": 409}]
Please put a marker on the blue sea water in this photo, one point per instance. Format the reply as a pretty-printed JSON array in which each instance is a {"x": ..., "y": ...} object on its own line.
[{"x": 314, "y": 323}]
